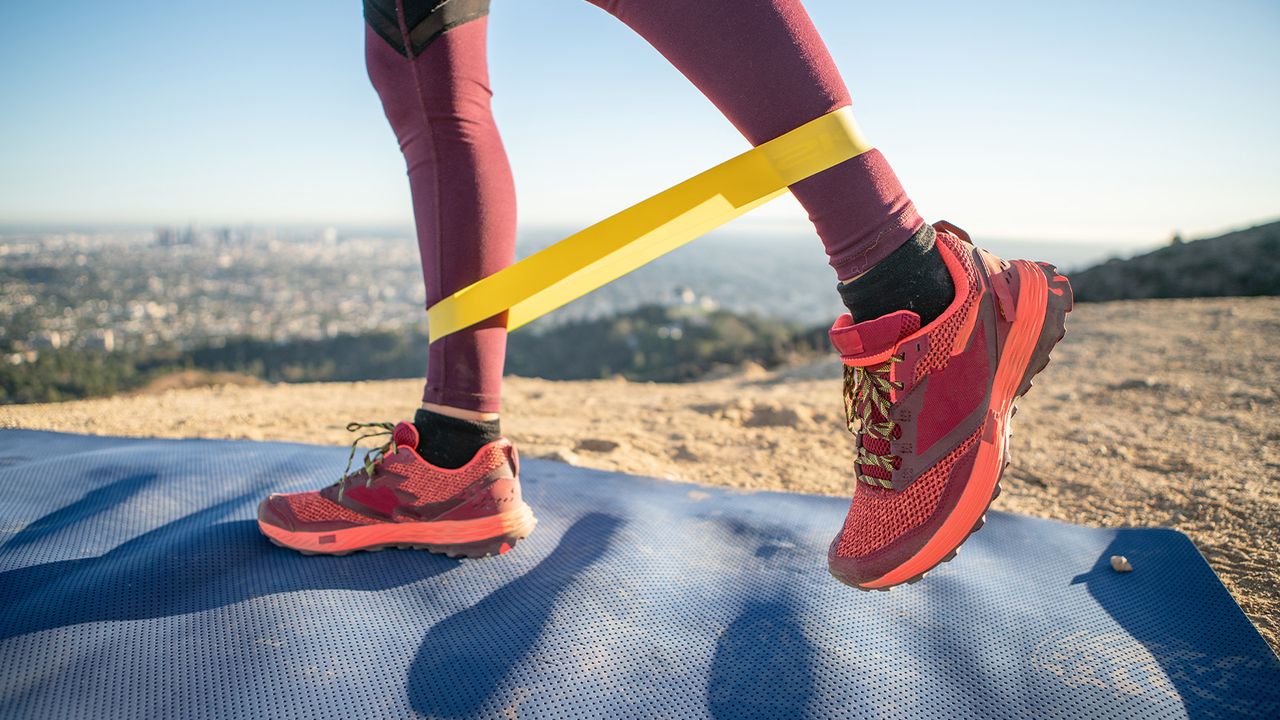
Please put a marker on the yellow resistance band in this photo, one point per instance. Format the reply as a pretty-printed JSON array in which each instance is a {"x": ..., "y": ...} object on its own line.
[{"x": 643, "y": 232}]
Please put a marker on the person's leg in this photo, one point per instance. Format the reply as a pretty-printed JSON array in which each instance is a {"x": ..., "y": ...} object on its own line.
[
  {"x": 763, "y": 64},
  {"x": 941, "y": 338},
  {"x": 427, "y": 61},
  {"x": 448, "y": 482}
]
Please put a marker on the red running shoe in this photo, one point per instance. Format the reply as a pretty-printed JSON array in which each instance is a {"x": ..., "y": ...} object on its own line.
[
  {"x": 400, "y": 500},
  {"x": 930, "y": 408}
]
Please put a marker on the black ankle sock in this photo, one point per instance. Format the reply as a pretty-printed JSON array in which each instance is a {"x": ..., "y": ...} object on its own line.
[
  {"x": 914, "y": 277},
  {"x": 450, "y": 442}
]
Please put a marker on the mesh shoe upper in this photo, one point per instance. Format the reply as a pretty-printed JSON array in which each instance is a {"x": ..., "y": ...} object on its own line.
[
  {"x": 403, "y": 487},
  {"x": 918, "y": 424},
  {"x": 878, "y": 516},
  {"x": 311, "y": 507}
]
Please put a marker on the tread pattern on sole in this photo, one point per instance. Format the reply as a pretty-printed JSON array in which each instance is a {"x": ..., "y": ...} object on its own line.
[{"x": 473, "y": 550}]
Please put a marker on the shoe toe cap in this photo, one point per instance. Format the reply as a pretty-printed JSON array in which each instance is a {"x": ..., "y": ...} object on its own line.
[
  {"x": 274, "y": 510},
  {"x": 859, "y": 571},
  {"x": 852, "y": 571}
]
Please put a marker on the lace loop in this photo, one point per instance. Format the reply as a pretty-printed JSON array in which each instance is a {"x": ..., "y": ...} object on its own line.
[
  {"x": 373, "y": 456},
  {"x": 866, "y": 404}
]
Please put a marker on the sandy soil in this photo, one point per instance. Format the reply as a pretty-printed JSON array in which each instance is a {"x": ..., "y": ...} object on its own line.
[{"x": 1151, "y": 413}]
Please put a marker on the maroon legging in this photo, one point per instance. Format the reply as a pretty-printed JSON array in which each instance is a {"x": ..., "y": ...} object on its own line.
[{"x": 761, "y": 62}]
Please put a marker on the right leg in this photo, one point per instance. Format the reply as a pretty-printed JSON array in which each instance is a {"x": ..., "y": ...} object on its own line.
[
  {"x": 427, "y": 60},
  {"x": 947, "y": 336},
  {"x": 764, "y": 66}
]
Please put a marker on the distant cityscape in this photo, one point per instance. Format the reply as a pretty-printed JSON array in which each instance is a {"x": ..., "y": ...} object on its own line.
[
  {"x": 181, "y": 287},
  {"x": 184, "y": 286}
]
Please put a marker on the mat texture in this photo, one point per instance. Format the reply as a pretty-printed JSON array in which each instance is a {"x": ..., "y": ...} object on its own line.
[{"x": 134, "y": 584}]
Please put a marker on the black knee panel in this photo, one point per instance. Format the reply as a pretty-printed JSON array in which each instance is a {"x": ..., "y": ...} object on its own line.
[{"x": 425, "y": 20}]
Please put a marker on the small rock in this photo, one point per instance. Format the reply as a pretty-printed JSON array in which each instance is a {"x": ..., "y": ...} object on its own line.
[
  {"x": 1121, "y": 564},
  {"x": 684, "y": 453},
  {"x": 562, "y": 455},
  {"x": 1145, "y": 383},
  {"x": 732, "y": 411},
  {"x": 779, "y": 416},
  {"x": 745, "y": 371},
  {"x": 599, "y": 445}
]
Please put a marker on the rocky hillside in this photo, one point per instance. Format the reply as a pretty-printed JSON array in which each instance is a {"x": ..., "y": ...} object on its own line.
[{"x": 1241, "y": 263}]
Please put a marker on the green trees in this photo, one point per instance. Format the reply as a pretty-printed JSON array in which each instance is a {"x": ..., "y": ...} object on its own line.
[{"x": 669, "y": 344}]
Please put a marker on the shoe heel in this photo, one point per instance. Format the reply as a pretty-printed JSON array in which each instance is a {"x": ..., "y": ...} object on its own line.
[
  {"x": 1058, "y": 304},
  {"x": 516, "y": 529}
]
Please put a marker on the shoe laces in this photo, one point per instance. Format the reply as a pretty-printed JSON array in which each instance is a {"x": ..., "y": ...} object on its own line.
[
  {"x": 866, "y": 405},
  {"x": 371, "y": 457}
]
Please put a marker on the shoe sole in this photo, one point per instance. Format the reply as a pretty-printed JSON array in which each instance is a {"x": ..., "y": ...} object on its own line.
[
  {"x": 477, "y": 538},
  {"x": 1044, "y": 299}
]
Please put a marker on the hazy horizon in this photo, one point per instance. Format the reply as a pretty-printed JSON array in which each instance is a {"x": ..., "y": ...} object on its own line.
[
  {"x": 531, "y": 237},
  {"x": 1089, "y": 122},
  {"x": 716, "y": 253}
]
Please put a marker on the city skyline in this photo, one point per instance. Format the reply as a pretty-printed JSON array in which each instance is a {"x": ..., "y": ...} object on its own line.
[{"x": 1090, "y": 123}]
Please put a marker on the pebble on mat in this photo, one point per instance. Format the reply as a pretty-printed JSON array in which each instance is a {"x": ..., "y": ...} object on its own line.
[{"x": 1120, "y": 564}]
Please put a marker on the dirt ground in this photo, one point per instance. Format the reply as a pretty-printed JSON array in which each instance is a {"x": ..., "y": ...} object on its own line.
[{"x": 1161, "y": 412}]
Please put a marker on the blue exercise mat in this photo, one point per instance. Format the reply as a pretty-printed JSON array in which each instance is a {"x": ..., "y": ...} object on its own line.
[{"x": 134, "y": 584}]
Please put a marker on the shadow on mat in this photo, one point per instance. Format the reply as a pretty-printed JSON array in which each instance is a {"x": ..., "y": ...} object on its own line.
[
  {"x": 464, "y": 658},
  {"x": 1187, "y": 647},
  {"x": 763, "y": 663},
  {"x": 191, "y": 564},
  {"x": 95, "y": 502}
]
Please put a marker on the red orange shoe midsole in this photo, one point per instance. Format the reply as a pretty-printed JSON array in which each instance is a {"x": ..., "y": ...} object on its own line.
[
  {"x": 1020, "y": 345},
  {"x": 518, "y": 522}
]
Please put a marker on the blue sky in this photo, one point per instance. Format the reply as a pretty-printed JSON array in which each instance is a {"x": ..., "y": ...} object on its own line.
[{"x": 1090, "y": 121}]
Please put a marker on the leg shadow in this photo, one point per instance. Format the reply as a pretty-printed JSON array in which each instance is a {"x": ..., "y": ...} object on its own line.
[
  {"x": 763, "y": 663},
  {"x": 94, "y": 503},
  {"x": 1219, "y": 666},
  {"x": 192, "y": 564},
  {"x": 464, "y": 658}
]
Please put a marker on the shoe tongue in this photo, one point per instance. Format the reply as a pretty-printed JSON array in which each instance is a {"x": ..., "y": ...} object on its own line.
[
  {"x": 405, "y": 435},
  {"x": 872, "y": 336}
]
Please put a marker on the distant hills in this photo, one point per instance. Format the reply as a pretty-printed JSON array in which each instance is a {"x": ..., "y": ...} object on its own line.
[
  {"x": 1245, "y": 262},
  {"x": 652, "y": 342},
  {"x": 660, "y": 343}
]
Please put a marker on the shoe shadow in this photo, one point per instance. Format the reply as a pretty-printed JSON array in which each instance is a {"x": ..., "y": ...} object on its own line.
[
  {"x": 192, "y": 564},
  {"x": 464, "y": 658},
  {"x": 763, "y": 666}
]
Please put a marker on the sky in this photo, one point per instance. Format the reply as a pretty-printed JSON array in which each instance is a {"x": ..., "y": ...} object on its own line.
[{"x": 1115, "y": 122}]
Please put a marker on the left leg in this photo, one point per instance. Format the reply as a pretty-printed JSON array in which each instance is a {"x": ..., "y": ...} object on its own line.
[
  {"x": 448, "y": 481},
  {"x": 427, "y": 60}
]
